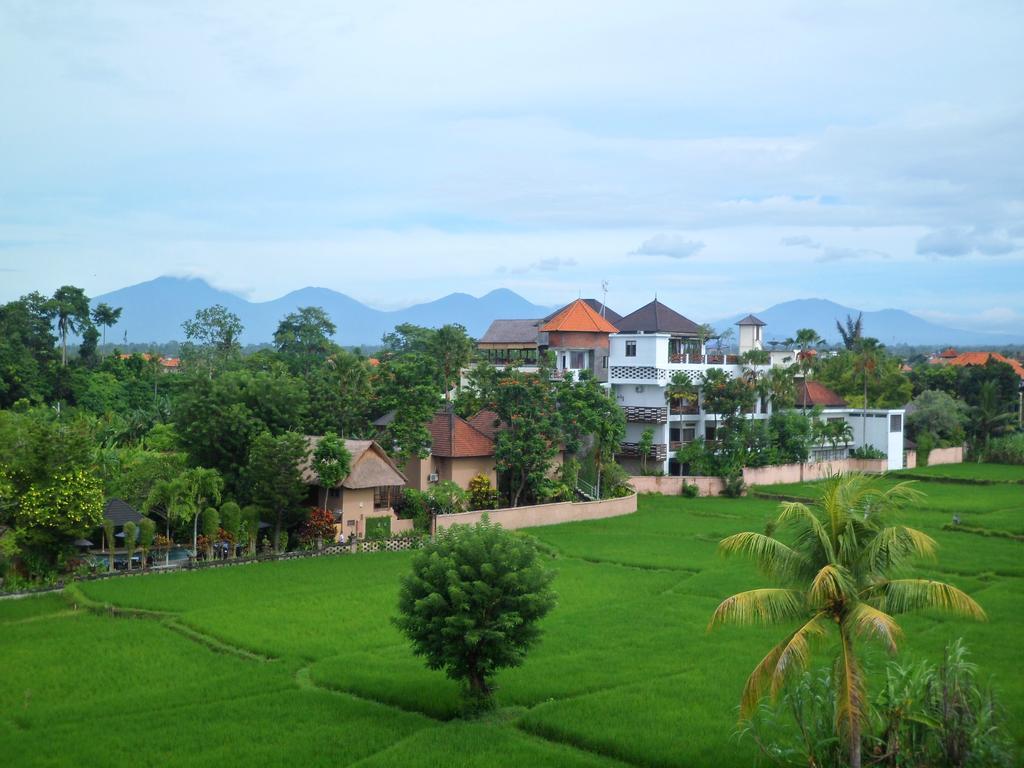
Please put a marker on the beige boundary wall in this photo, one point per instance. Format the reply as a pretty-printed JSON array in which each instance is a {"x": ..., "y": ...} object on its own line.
[
  {"x": 946, "y": 456},
  {"x": 782, "y": 473},
  {"x": 545, "y": 514}
]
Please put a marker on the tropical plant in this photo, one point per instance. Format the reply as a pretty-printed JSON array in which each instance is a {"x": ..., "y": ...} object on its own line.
[
  {"x": 681, "y": 390},
  {"x": 472, "y": 603},
  {"x": 211, "y": 527},
  {"x": 869, "y": 354},
  {"x": 853, "y": 330},
  {"x": 987, "y": 418},
  {"x": 105, "y": 316},
  {"x": 644, "y": 448},
  {"x": 147, "y": 532},
  {"x": 251, "y": 524},
  {"x": 482, "y": 495},
  {"x": 838, "y": 572},
  {"x": 231, "y": 522},
  {"x": 130, "y": 532},
  {"x": 331, "y": 463},
  {"x": 71, "y": 306}
]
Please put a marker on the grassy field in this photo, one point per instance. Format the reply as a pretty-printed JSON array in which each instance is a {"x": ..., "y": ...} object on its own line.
[
  {"x": 298, "y": 661},
  {"x": 994, "y": 473}
]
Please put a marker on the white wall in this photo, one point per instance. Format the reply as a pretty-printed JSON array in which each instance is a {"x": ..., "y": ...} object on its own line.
[{"x": 874, "y": 431}]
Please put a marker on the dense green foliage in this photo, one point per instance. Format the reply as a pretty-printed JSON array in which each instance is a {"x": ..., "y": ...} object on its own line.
[{"x": 472, "y": 603}]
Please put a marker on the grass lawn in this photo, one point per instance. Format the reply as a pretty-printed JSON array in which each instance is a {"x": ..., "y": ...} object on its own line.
[
  {"x": 995, "y": 473},
  {"x": 298, "y": 661}
]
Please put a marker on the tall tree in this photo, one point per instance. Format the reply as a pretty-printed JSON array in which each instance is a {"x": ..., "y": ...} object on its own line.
[
  {"x": 868, "y": 356},
  {"x": 105, "y": 316},
  {"x": 452, "y": 349},
  {"x": 212, "y": 339},
  {"x": 838, "y": 573},
  {"x": 853, "y": 331},
  {"x": 130, "y": 533},
  {"x": 303, "y": 338},
  {"x": 27, "y": 351},
  {"x": 147, "y": 531},
  {"x": 71, "y": 306},
  {"x": 988, "y": 418},
  {"x": 275, "y": 477},
  {"x": 340, "y": 395},
  {"x": 198, "y": 487},
  {"x": 331, "y": 462},
  {"x": 472, "y": 603}
]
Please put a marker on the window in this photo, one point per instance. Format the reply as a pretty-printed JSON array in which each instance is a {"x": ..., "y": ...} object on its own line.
[
  {"x": 381, "y": 497},
  {"x": 630, "y": 349},
  {"x": 578, "y": 360},
  {"x": 604, "y": 361},
  {"x": 895, "y": 422},
  {"x": 334, "y": 492},
  {"x": 689, "y": 434}
]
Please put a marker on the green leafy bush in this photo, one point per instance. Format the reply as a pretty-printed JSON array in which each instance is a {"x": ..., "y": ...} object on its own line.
[{"x": 1006, "y": 450}]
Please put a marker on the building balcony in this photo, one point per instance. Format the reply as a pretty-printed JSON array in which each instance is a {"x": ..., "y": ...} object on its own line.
[
  {"x": 646, "y": 414},
  {"x": 684, "y": 408},
  {"x": 694, "y": 358},
  {"x": 658, "y": 451}
]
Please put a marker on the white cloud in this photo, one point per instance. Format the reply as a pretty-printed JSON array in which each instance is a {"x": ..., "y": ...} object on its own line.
[
  {"x": 673, "y": 246},
  {"x": 800, "y": 241},
  {"x": 953, "y": 242}
]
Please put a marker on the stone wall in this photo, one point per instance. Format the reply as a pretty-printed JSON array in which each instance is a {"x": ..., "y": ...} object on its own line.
[
  {"x": 946, "y": 456},
  {"x": 545, "y": 514}
]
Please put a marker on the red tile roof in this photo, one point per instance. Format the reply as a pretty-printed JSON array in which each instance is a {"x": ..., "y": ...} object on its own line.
[
  {"x": 818, "y": 394},
  {"x": 486, "y": 422},
  {"x": 454, "y": 437},
  {"x": 578, "y": 317},
  {"x": 981, "y": 358}
]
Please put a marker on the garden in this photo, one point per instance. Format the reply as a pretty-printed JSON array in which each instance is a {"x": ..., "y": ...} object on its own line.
[{"x": 301, "y": 661}]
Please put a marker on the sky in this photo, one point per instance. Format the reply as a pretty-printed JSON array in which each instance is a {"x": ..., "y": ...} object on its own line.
[{"x": 724, "y": 156}]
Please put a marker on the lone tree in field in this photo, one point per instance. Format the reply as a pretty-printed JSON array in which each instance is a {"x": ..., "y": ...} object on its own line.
[
  {"x": 838, "y": 573},
  {"x": 471, "y": 605}
]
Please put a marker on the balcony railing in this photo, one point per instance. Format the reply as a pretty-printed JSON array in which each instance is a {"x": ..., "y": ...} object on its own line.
[
  {"x": 646, "y": 414},
  {"x": 684, "y": 409},
  {"x": 658, "y": 451},
  {"x": 698, "y": 359}
]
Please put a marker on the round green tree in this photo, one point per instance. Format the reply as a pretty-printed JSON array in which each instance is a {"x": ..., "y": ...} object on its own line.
[{"x": 472, "y": 603}]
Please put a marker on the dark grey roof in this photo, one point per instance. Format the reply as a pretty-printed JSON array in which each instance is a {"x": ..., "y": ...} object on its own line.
[
  {"x": 512, "y": 332},
  {"x": 610, "y": 314},
  {"x": 656, "y": 318},
  {"x": 120, "y": 512},
  {"x": 386, "y": 419},
  {"x": 751, "y": 320}
]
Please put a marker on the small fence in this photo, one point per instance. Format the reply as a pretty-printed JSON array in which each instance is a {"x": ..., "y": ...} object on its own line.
[{"x": 397, "y": 544}]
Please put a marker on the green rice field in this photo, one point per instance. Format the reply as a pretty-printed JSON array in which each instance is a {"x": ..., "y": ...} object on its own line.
[{"x": 297, "y": 662}]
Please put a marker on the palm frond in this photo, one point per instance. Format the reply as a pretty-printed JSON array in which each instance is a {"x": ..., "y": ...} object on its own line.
[
  {"x": 868, "y": 621},
  {"x": 797, "y": 513},
  {"x": 904, "y": 595},
  {"x": 791, "y": 655},
  {"x": 894, "y": 544},
  {"x": 850, "y": 693},
  {"x": 831, "y": 584},
  {"x": 759, "y": 606},
  {"x": 771, "y": 555}
]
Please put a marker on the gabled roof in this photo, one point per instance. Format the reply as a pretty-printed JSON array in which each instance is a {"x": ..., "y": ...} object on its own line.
[
  {"x": 657, "y": 318},
  {"x": 487, "y": 422},
  {"x": 120, "y": 512},
  {"x": 371, "y": 466},
  {"x": 981, "y": 358},
  {"x": 817, "y": 394},
  {"x": 453, "y": 437},
  {"x": 608, "y": 314},
  {"x": 751, "y": 320},
  {"x": 511, "y": 332},
  {"x": 579, "y": 317}
]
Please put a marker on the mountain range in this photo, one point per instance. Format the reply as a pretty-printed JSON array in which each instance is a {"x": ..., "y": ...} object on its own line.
[
  {"x": 890, "y": 326},
  {"x": 154, "y": 311}
]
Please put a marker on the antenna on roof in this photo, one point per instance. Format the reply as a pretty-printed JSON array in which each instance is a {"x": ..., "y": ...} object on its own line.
[{"x": 604, "y": 296}]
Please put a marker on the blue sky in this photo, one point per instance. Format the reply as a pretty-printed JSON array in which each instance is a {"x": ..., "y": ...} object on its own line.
[{"x": 725, "y": 155}]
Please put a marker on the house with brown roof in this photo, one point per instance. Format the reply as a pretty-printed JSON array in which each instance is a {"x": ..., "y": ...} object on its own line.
[
  {"x": 369, "y": 489},
  {"x": 967, "y": 359},
  {"x": 459, "y": 451},
  {"x": 578, "y": 337}
]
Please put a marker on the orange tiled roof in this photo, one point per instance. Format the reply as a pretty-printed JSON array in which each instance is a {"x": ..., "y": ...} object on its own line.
[
  {"x": 454, "y": 437},
  {"x": 578, "y": 317},
  {"x": 818, "y": 394},
  {"x": 486, "y": 422},
  {"x": 980, "y": 358}
]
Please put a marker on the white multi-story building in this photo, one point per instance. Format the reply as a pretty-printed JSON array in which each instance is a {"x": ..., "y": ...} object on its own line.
[{"x": 655, "y": 342}]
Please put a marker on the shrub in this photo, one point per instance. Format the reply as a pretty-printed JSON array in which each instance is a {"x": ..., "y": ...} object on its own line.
[
  {"x": 481, "y": 494},
  {"x": 867, "y": 452},
  {"x": 378, "y": 527},
  {"x": 471, "y": 605},
  {"x": 732, "y": 482},
  {"x": 447, "y": 498},
  {"x": 318, "y": 528},
  {"x": 690, "y": 491},
  {"x": 1006, "y": 450}
]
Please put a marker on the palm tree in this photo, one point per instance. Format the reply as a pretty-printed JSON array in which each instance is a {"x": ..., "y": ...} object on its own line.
[
  {"x": 869, "y": 353},
  {"x": 837, "y": 573},
  {"x": 805, "y": 340},
  {"x": 71, "y": 306},
  {"x": 853, "y": 331},
  {"x": 987, "y": 418},
  {"x": 680, "y": 389},
  {"x": 105, "y": 316}
]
